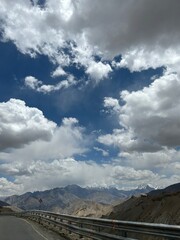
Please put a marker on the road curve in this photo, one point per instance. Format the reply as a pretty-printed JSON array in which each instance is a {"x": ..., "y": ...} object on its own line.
[{"x": 12, "y": 228}]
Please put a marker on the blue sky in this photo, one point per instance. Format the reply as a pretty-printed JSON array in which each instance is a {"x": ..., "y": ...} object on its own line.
[{"x": 89, "y": 94}]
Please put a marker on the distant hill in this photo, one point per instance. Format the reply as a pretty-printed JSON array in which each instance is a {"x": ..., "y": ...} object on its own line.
[
  {"x": 158, "y": 206},
  {"x": 74, "y": 199},
  {"x": 3, "y": 204}
]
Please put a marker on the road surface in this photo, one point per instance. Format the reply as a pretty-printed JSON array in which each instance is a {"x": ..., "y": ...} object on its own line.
[{"x": 12, "y": 228}]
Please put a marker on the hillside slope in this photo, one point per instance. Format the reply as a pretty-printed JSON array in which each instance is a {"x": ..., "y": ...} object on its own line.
[{"x": 160, "y": 206}]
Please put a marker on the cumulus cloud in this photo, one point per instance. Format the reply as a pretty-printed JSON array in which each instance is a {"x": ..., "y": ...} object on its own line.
[
  {"x": 38, "y": 162},
  {"x": 98, "y": 70},
  {"x": 38, "y": 159},
  {"x": 149, "y": 118},
  {"x": 139, "y": 59},
  {"x": 53, "y": 164},
  {"x": 50, "y": 31},
  {"x": 40, "y": 175},
  {"x": 140, "y": 31},
  {"x": 61, "y": 172},
  {"x": 58, "y": 72},
  {"x": 67, "y": 140},
  {"x": 20, "y": 124},
  {"x": 32, "y": 82},
  {"x": 146, "y": 35},
  {"x": 148, "y": 133},
  {"x": 154, "y": 161},
  {"x": 37, "y": 85},
  {"x": 111, "y": 104}
]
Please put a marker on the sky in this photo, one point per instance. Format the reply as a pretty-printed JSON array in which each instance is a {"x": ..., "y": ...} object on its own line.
[{"x": 89, "y": 94}]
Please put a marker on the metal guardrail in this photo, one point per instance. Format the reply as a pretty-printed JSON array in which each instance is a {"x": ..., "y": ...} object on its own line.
[{"x": 96, "y": 228}]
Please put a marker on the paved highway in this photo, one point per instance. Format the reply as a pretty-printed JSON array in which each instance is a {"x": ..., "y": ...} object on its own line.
[{"x": 12, "y": 228}]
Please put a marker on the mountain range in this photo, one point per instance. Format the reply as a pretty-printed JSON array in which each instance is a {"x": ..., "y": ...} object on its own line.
[{"x": 75, "y": 200}]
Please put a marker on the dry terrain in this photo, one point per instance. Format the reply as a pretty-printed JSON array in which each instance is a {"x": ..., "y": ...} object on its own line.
[
  {"x": 161, "y": 206},
  {"x": 159, "y": 209}
]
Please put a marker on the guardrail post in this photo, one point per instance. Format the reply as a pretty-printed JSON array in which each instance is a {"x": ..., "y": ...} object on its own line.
[
  {"x": 81, "y": 226},
  {"x": 49, "y": 225},
  {"x": 60, "y": 227},
  {"x": 69, "y": 222},
  {"x": 39, "y": 220},
  {"x": 124, "y": 233}
]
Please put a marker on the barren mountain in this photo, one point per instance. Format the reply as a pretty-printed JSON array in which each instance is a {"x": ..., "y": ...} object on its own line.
[
  {"x": 160, "y": 206},
  {"x": 74, "y": 200}
]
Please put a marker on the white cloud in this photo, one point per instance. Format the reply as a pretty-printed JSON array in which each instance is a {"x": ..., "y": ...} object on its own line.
[
  {"x": 112, "y": 103},
  {"x": 8, "y": 187},
  {"x": 20, "y": 124},
  {"x": 149, "y": 118},
  {"x": 37, "y": 85},
  {"x": 50, "y": 164},
  {"x": 154, "y": 161},
  {"x": 82, "y": 27},
  {"x": 146, "y": 34},
  {"x": 148, "y": 133},
  {"x": 32, "y": 82},
  {"x": 39, "y": 175},
  {"x": 37, "y": 158},
  {"x": 45, "y": 31},
  {"x": 67, "y": 140},
  {"x": 98, "y": 70},
  {"x": 69, "y": 121},
  {"x": 35, "y": 164},
  {"x": 58, "y": 72},
  {"x": 104, "y": 152},
  {"x": 140, "y": 58}
]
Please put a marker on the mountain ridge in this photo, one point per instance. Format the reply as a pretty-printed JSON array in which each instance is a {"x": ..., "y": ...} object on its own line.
[{"x": 70, "y": 199}]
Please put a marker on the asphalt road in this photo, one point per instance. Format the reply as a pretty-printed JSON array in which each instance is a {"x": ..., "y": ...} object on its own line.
[{"x": 12, "y": 228}]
